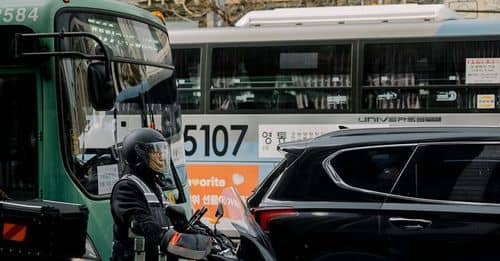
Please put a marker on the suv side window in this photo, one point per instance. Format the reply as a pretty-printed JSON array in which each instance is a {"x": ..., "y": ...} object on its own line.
[
  {"x": 463, "y": 172},
  {"x": 374, "y": 169},
  {"x": 307, "y": 180}
]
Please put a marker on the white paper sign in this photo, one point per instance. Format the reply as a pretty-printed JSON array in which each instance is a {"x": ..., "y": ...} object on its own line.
[
  {"x": 482, "y": 70},
  {"x": 178, "y": 155},
  {"x": 486, "y": 101},
  {"x": 107, "y": 176}
]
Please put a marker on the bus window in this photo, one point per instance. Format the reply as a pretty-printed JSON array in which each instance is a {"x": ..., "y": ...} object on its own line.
[
  {"x": 187, "y": 71},
  {"x": 294, "y": 78},
  {"x": 428, "y": 76}
]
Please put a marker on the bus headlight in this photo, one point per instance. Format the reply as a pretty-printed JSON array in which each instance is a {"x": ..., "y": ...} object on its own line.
[{"x": 90, "y": 252}]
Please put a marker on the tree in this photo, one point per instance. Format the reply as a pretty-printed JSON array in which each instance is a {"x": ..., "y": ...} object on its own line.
[{"x": 229, "y": 11}]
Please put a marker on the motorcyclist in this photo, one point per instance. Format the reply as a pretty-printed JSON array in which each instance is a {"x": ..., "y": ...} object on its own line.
[{"x": 138, "y": 203}]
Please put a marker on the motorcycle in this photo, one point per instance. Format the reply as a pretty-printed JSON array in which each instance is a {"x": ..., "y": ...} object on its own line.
[{"x": 253, "y": 243}]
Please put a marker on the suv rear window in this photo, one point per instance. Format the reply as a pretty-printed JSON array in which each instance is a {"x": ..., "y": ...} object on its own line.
[
  {"x": 375, "y": 168},
  {"x": 463, "y": 172},
  {"x": 261, "y": 190}
]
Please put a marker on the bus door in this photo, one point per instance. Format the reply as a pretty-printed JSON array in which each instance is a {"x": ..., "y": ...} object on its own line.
[{"x": 18, "y": 135}]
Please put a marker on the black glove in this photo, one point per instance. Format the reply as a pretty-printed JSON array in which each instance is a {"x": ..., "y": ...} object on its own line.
[
  {"x": 177, "y": 217},
  {"x": 191, "y": 246}
]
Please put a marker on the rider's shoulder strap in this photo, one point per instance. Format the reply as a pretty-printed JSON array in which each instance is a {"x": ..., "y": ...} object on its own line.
[{"x": 151, "y": 197}]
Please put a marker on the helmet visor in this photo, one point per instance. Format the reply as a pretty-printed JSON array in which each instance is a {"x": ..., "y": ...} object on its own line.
[{"x": 158, "y": 156}]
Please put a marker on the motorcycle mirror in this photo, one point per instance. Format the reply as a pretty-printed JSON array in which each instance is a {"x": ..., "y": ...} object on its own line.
[{"x": 219, "y": 213}]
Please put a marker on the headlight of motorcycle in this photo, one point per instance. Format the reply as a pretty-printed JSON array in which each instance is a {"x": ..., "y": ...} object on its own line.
[{"x": 90, "y": 252}]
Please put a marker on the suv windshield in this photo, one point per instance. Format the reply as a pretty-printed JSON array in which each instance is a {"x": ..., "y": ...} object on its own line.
[{"x": 146, "y": 96}]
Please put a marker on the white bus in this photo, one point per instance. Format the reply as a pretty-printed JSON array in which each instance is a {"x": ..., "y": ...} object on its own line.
[{"x": 244, "y": 90}]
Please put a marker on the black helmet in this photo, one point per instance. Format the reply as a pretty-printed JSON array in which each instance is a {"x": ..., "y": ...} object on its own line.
[{"x": 146, "y": 148}]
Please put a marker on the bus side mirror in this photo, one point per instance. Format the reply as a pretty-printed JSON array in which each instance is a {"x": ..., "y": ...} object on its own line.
[{"x": 100, "y": 87}]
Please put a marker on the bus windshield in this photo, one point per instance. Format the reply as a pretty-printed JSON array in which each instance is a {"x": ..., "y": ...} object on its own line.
[
  {"x": 126, "y": 38},
  {"x": 146, "y": 97}
]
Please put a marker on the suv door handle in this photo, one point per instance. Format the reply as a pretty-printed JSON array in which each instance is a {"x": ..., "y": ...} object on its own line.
[{"x": 411, "y": 224}]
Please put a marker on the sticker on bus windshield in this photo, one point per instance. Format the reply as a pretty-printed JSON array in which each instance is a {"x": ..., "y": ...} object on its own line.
[
  {"x": 486, "y": 101},
  {"x": 446, "y": 96},
  {"x": 482, "y": 70}
]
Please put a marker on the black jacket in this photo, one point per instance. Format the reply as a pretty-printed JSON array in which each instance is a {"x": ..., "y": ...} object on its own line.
[{"x": 128, "y": 203}]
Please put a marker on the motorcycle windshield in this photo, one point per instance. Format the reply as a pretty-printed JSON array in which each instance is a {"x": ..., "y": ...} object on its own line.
[{"x": 240, "y": 217}]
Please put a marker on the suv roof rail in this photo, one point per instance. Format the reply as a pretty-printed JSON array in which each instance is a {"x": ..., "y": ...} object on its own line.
[{"x": 348, "y": 15}]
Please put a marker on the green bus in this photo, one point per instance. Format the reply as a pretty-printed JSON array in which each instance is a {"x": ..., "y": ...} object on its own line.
[{"x": 75, "y": 77}]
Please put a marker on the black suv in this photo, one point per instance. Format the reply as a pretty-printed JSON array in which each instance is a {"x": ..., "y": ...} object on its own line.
[{"x": 385, "y": 194}]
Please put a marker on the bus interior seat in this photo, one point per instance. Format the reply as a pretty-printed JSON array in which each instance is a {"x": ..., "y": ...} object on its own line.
[
  {"x": 286, "y": 101},
  {"x": 247, "y": 105}
]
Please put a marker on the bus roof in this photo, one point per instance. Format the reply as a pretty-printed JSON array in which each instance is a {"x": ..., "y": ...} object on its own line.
[
  {"x": 348, "y": 14},
  {"x": 335, "y": 32}
]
